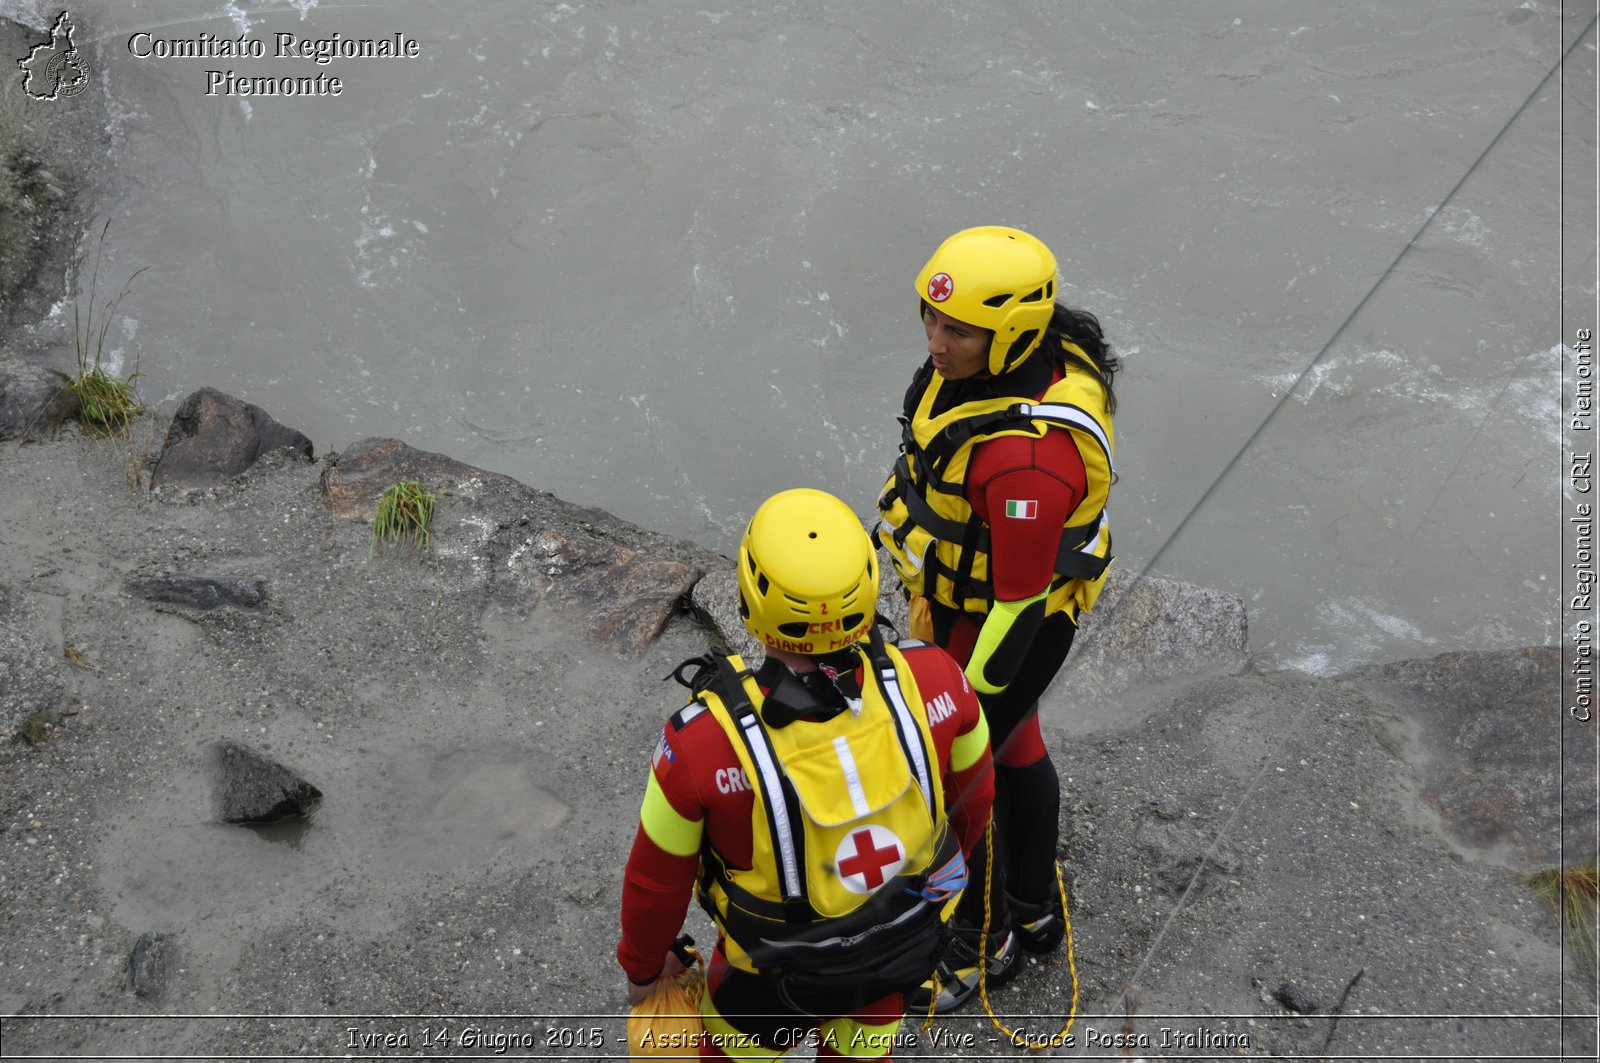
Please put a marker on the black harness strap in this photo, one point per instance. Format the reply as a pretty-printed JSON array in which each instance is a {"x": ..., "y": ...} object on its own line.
[{"x": 729, "y": 686}]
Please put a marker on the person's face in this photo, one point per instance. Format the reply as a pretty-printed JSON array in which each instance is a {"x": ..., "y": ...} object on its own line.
[{"x": 958, "y": 350}]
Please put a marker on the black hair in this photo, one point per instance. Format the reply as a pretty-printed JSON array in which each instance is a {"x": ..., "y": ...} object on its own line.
[
  {"x": 1082, "y": 330},
  {"x": 1078, "y": 327}
]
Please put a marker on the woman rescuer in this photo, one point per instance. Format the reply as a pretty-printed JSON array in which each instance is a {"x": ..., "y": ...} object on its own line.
[{"x": 995, "y": 515}]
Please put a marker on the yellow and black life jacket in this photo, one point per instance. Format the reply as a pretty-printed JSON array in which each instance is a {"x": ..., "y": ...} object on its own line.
[
  {"x": 939, "y": 547},
  {"x": 854, "y": 868}
]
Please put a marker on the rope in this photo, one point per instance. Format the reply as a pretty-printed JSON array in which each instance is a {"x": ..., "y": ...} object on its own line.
[
  {"x": 1014, "y": 1036},
  {"x": 1130, "y": 988},
  {"x": 1255, "y": 435}
]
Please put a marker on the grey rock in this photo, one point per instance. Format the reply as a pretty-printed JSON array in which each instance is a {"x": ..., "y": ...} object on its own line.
[
  {"x": 622, "y": 582},
  {"x": 1148, "y": 629},
  {"x": 151, "y": 965},
  {"x": 354, "y": 479},
  {"x": 31, "y": 677},
  {"x": 33, "y": 400},
  {"x": 1290, "y": 996},
  {"x": 253, "y": 788},
  {"x": 199, "y": 592},
  {"x": 214, "y": 437},
  {"x": 627, "y": 595}
]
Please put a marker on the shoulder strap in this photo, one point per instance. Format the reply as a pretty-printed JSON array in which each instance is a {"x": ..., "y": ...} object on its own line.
[
  {"x": 778, "y": 798},
  {"x": 1067, "y": 415},
  {"x": 919, "y": 754}
]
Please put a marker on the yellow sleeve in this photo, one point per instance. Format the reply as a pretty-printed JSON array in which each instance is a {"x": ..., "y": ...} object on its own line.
[{"x": 1003, "y": 642}]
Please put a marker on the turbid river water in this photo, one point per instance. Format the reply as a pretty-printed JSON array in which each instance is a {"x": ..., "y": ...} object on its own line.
[{"x": 658, "y": 257}]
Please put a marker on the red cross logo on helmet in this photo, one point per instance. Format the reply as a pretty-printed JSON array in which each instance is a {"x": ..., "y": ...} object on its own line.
[{"x": 940, "y": 286}]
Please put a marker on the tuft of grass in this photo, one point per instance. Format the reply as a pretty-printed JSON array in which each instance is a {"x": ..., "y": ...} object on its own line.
[
  {"x": 1573, "y": 894},
  {"x": 35, "y": 729},
  {"x": 404, "y": 512},
  {"x": 76, "y": 658},
  {"x": 105, "y": 403}
]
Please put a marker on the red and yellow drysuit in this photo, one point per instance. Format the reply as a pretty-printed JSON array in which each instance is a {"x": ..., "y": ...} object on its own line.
[
  {"x": 995, "y": 512},
  {"x": 698, "y": 795}
]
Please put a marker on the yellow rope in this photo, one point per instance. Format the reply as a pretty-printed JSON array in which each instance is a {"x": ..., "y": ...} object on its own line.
[{"x": 1015, "y": 1037}]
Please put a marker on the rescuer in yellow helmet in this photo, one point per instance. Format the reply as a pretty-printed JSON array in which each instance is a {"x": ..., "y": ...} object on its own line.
[
  {"x": 995, "y": 515},
  {"x": 823, "y": 803}
]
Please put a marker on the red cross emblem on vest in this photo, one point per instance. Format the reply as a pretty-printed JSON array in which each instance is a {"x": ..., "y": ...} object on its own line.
[
  {"x": 867, "y": 857},
  {"x": 940, "y": 286}
]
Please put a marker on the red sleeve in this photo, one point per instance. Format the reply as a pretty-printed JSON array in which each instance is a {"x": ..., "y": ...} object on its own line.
[
  {"x": 1024, "y": 489},
  {"x": 699, "y": 775},
  {"x": 657, "y": 885},
  {"x": 656, "y": 890},
  {"x": 953, "y": 710}
]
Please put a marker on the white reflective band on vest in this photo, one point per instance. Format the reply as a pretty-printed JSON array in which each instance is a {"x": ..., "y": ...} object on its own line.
[
  {"x": 772, "y": 789},
  {"x": 852, "y": 775},
  {"x": 1072, "y": 416}
]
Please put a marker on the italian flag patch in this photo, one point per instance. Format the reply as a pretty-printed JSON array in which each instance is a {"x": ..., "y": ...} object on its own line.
[{"x": 1022, "y": 510}]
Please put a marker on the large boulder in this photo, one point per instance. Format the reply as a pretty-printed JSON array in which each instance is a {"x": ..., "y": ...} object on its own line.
[
  {"x": 215, "y": 437},
  {"x": 627, "y": 595},
  {"x": 33, "y": 400},
  {"x": 354, "y": 479},
  {"x": 622, "y": 581},
  {"x": 1147, "y": 629}
]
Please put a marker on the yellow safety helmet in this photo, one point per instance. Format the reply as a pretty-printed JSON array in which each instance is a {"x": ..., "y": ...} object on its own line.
[
  {"x": 995, "y": 278},
  {"x": 808, "y": 574}
]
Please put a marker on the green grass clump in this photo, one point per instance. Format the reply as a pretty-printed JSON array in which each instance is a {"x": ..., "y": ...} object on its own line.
[
  {"x": 35, "y": 730},
  {"x": 404, "y": 512},
  {"x": 105, "y": 403},
  {"x": 1573, "y": 894}
]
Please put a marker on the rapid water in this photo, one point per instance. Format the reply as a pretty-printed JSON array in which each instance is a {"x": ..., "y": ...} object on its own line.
[{"x": 658, "y": 257}]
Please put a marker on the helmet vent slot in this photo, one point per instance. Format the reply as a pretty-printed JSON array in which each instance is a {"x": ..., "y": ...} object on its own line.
[
  {"x": 853, "y": 621},
  {"x": 798, "y": 601},
  {"x": 1033, "y": 296},
  {"x": 795, "y": 630},
  {"x": 1050, "y": 289},
  {"x": 998, "y": 301},
  {"x": 762, "y": 584}
]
